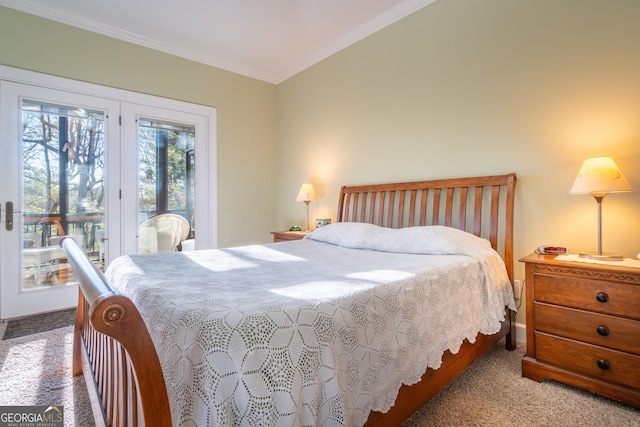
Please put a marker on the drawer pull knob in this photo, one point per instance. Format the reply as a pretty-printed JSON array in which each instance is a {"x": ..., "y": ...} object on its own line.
[
  {"x": 603, "y": 364},
  {"x": 602, "y": 297},
  {"x": 602, "y": 330}
]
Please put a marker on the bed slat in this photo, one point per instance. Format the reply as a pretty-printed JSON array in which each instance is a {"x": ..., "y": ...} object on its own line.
[
  {"x": 412, "y": 207},
  {"x": 436, "y": 207},
  {"x": 462, "y": 220},
  {"x": 449, "y": 208},
  {"x": 423, "y": 207},
  {"x": 381, "y": 214},
  {"x": 477, "y": 212},
  {"x": 495, "y": 200}
]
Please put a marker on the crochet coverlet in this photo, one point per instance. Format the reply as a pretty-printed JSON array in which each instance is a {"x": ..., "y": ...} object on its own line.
[{"x": 319, "y": 331}]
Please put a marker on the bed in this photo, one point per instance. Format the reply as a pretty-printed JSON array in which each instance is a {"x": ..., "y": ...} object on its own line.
[{"x": 285, "y": 338}]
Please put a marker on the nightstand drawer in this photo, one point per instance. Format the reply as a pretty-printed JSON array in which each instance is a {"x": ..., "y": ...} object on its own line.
[
  {"x": 586, "y": 359},
  {"x": 593, "y": 295},
  {"x": 599, "y": 329}
]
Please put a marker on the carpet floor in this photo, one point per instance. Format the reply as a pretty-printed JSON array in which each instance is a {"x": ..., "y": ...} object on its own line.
[
  {"x": 36, "y": 370},
  {"x": 492, "y": 392}
]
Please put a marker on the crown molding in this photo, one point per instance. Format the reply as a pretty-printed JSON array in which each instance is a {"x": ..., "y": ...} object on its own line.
[{"x": 394, "y": 14}]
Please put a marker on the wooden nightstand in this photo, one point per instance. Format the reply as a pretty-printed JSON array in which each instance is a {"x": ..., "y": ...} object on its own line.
[
  {"x": 583, "y": 326},
  {"x": 283, "y": 236}
]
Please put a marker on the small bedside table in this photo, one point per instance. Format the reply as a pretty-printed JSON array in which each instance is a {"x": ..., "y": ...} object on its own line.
[
  {"x": 283, "y": 236},
  {"x": 583, "y": 326}
]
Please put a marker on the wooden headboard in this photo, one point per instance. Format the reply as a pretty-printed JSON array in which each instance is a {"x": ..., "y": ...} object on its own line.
[{"x": 479, "y": 205}]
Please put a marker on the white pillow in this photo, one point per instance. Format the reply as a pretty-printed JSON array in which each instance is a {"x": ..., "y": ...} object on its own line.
[{"x": 433, "y": 240}]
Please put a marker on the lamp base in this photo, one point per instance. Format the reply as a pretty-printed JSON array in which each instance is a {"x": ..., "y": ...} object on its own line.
[{"x": 602, "y": 257}]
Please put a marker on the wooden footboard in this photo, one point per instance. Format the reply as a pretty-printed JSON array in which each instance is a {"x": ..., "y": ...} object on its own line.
[{"x": 113, "y": 349}]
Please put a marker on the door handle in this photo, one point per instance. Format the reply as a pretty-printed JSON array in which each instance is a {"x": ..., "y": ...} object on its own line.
[{"x": 9, "y": 216}]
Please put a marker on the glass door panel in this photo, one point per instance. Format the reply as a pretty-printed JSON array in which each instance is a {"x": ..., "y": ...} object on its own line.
[
  {"x": 166, "y": 185},
  {"x": 63, "y": 189}
]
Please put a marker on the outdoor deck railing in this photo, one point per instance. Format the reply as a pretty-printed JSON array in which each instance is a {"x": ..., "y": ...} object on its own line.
[{"x": 50, "y": 226}]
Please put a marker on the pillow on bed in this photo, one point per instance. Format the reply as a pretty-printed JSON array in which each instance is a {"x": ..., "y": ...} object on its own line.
[{"x": 431, "y": 240}]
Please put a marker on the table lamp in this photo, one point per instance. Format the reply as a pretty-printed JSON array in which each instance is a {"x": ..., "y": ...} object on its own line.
[
  {"x": 306, "y": 195},
  {"x": 600, "y": 176}
]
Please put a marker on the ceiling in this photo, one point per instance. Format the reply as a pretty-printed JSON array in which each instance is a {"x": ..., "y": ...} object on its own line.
[{"x": 269, "y": 40}]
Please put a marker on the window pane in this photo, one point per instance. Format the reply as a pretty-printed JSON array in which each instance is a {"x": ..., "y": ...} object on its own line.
[
  {"x": 166, "y": 178},
  {"x": 63, "y": 187}
]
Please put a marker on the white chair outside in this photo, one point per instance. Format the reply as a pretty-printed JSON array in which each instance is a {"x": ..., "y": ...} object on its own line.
[{"x": 163, "y": 233}]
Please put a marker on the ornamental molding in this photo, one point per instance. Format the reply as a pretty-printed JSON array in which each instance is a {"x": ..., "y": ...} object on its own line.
[{"x": 589, "y": 274}]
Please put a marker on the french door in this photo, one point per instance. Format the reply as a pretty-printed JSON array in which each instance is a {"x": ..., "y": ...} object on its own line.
[
  {"x": 168, "y": 163},
  {"x": 60, "y": 175},
  {"x": 96, "y": 164}
]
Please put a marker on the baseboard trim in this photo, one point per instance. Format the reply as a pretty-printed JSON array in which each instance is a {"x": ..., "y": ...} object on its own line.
[{"x": 521, "y": 333}]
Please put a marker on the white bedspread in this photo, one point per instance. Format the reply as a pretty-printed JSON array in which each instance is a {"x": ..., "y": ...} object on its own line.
[{"x": 308, "y": 332}]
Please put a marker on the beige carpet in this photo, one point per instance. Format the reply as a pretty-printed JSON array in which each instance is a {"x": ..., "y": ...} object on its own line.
[
  {"x": 36, "y": 370},
  {"x": 492, "y": 392}
]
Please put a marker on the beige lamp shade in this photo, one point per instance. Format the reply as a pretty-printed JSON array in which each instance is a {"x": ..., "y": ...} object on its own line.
[
  {"x": 306, "y": 194},
  {"x": 599, "y": 176}
]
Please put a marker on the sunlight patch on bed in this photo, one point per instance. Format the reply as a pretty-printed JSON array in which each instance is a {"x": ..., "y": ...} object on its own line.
[
  {"x": 321, "y": 289},
  {"x": 227, "y": 262},
  {"x": 256, "y": 256},
  {"x": 335, "y": 289},
  {"x": 263, "y": 253}
]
